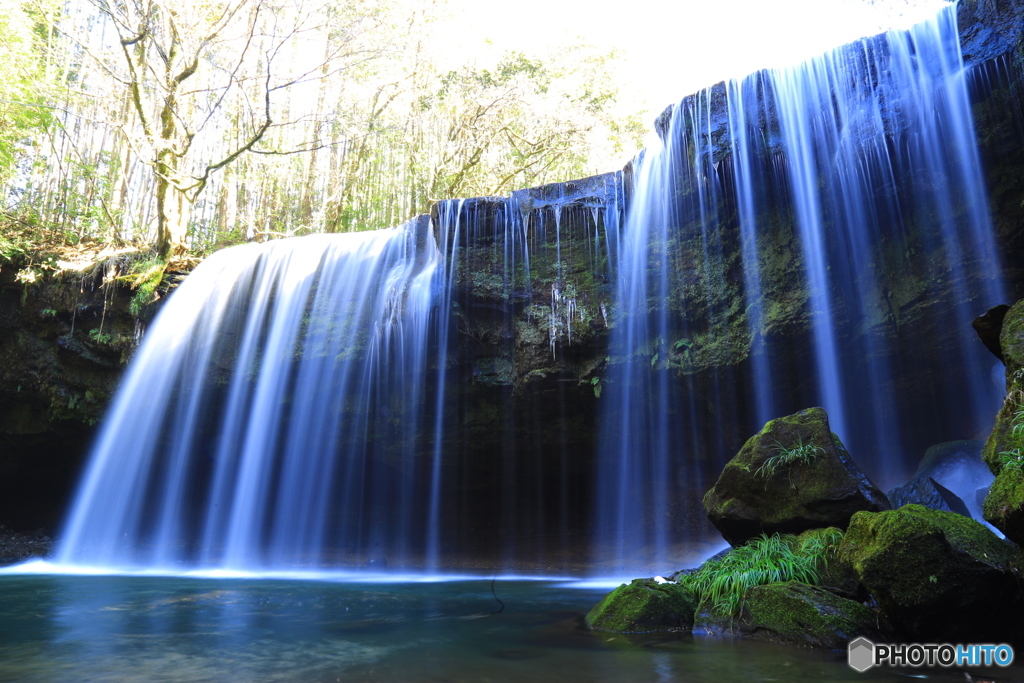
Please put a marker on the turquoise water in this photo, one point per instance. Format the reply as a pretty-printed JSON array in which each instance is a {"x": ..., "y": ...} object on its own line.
[{"x": 168, "y": 629}]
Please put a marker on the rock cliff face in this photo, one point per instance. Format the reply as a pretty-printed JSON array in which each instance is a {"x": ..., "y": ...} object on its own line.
[
  {"x": 533, "y": 306},
  {"x": 63, "y": 344},
  {"x": 65, "y": 338}
]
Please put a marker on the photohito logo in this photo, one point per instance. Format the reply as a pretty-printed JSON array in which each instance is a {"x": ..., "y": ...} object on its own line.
[{"x": 863, "y": 654}]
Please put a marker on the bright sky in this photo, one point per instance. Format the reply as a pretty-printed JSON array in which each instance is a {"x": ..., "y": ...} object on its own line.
[{"x": 676, "y": 47}]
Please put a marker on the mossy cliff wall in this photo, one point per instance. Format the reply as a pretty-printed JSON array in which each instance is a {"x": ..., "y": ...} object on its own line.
[{"x": 64, "y": 341}]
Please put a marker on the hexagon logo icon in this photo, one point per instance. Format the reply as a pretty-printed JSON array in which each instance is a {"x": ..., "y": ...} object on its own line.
[{"x": 861, "y": 654}]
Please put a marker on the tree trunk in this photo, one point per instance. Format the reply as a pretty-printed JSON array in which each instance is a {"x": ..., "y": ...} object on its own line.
[{"x": 173, "y": 209}]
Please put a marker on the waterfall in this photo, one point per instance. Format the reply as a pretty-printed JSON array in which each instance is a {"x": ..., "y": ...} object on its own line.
[
  {"x": 273, "y": 415},
  {"x": 791, "y": 197},
  {"x": 552, "y": 379}
]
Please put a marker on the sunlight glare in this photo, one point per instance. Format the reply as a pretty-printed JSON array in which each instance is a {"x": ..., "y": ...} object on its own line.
[{"x": 670, "y": 50}]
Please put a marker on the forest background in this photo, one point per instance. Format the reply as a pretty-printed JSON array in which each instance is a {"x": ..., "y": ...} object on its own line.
[{"x": 179, "y": 127}]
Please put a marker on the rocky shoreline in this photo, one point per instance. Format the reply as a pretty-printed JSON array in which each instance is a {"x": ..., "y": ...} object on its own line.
[{"x": 18, "y": 546}]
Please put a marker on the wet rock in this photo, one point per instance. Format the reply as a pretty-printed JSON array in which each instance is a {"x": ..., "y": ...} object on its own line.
[
  {"x": 644, "y": 606},
  {"x": 981, "y": 494},
  {"x": 929, "y": 493},
  {"x": 988, "y": 29},
  {"x": 798, "y": 614},
  {"x": 64, "y": 340},
  {"x": 792, "y": 476},
  {"x": 938, "y": 576},
  {"x": 946, "y": 460},
  {"x": 988, "y": 326},
  {"x": 18, "y": 547}
]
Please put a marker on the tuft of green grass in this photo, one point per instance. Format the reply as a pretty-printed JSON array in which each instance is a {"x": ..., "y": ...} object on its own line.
[
  {"x": 823, "y": 545},
  {"x": 1013, "y": 458},
  {"x": 784, "y": 458},
  {"x": 720, "y": 584}
]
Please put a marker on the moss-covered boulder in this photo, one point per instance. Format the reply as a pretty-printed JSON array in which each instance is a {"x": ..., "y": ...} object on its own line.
[
  {"x": 1004, "y": 504},
  {"x": 644, "y": 606},
  {"x": 1005, "y": 444},
  {"x": 792, "y": 476},
  {"x": 938, "y": 576},
  {"x": 1004, "y": 448},
  {"x": 798, "y": 614}
]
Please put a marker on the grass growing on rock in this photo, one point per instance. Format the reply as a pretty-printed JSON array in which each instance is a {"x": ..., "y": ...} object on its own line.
[
  {"x": 720, "y": 584},
  {"x": 1012, "y": 458},
  {"x": 785, "y": 458}
]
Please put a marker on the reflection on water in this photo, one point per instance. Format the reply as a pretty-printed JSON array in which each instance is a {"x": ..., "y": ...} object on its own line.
[{"x": 160, "y": 629}]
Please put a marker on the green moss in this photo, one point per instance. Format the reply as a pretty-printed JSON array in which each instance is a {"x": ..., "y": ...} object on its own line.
[
  {"x": 644, "y": 606},
  {"x": 791, "y": 495},
  {"x": 800, "y": 614},
  {"x": 1005, "y": 445},
  {"x": 1004, "y": 504},
  {"x": 870, "y": 533},
  {"x": 936, "y": 574}
]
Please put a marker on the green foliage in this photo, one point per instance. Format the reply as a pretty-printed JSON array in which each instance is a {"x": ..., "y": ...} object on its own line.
[
  {"x": 682, "y": 345},
  {"x": 720, "y": 584},
  {"x": 99, "y": 336},
  {"x": 1013, "y": 458},
  {"x": 384, "y": 132},
  {"x": 13, "y": 249},
  {"x": 822, "y": 545},
  {"x": 145, "y": 276},
  {"x": 785, "y": 458},
  {"x": 24, "y": 33}
]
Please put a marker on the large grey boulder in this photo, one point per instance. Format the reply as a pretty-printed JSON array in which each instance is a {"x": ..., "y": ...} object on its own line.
[{"x": 929, "y": 493}]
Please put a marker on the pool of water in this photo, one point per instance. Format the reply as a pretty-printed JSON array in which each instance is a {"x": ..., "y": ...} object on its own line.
[{"x": 157, "y": 629}]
